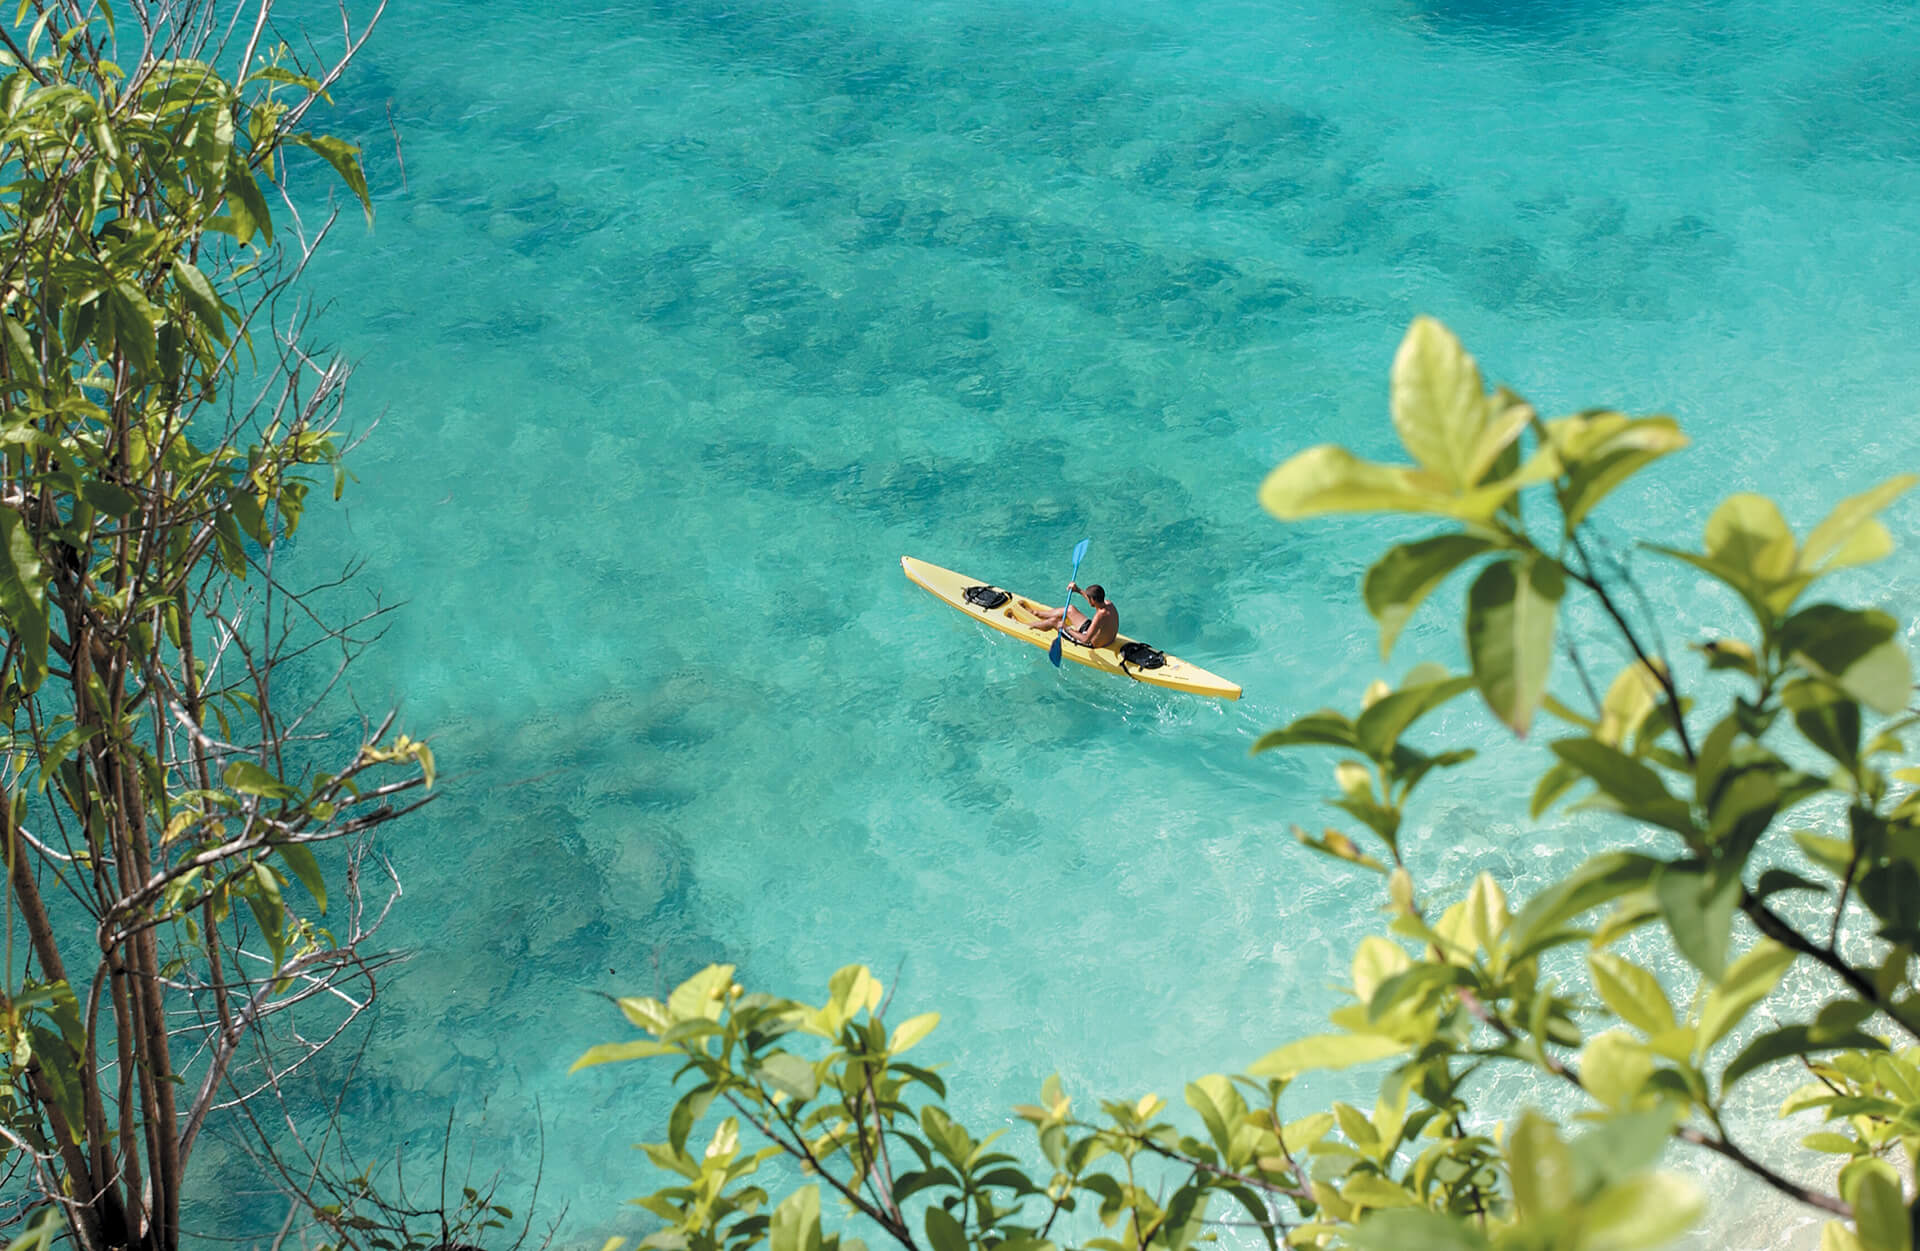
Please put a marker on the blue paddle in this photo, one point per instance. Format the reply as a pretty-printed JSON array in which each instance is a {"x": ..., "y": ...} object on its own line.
[{"x": 1079, "y": 554}]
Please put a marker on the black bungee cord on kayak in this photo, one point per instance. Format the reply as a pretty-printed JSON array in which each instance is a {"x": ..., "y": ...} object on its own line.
[{"x": 986, "y": 596}]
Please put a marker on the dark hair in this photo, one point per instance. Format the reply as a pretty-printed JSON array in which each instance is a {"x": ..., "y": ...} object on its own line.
[{"x": 1097, "y": 594}]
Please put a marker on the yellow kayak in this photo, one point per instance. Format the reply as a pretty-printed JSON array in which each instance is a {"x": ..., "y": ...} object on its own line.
[{"x": 1015, "y": 614}]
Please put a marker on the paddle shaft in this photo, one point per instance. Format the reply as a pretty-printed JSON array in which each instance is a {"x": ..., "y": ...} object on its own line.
[{"x": 1059, "y": 638}]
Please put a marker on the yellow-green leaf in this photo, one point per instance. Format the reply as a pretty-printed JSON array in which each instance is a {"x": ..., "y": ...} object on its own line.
[
  {"x": 1614, "y": 1067},
  {"x": 1642, "y": 1212},
  {"x": 1879, "y": 1213},
  {"x": 1325, "y": 1051},
  {"x": 1374, "y": 961},
  {"x": 1748, "y": 532},
  {"x": 1542, "y": 1168},
  {"x": 607, "y": 1053},
  {"x": 1601, "y": 450},
  {"x": 1633, "y": 993},
  {"x": 1330, "y": 479},
  {"x": 702, "y": 995},
  {"x": 1439, "y": 402},
  {"x": 911, "y": 1031},
  {"x": 1850, "y": 535},
  {"x": 1746, "y": 982}
]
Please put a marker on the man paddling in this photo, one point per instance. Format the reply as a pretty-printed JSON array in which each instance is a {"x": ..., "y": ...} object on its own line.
[{"x": 1099, "y": 631}]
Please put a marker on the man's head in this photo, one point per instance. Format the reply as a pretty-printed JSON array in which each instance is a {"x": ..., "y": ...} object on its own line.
[{"x": 1096, "y": 594}]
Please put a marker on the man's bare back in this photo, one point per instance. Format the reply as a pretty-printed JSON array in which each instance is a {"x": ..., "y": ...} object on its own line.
[{"x": 1099, "y": 631}]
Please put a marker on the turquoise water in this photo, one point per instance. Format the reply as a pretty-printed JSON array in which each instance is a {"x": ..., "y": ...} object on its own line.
[{"x": 686, "y": 320}]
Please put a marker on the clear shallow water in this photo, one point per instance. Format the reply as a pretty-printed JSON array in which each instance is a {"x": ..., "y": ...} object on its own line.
[{"x": 689, "y": 319}]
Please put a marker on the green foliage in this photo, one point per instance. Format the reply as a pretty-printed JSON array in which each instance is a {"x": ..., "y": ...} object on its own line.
[
  {"x": 152, "y": 820},
  {"x": 1774, "y": 727}
]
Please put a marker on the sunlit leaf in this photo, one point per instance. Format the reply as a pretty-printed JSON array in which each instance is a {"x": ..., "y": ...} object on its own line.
[
  {"x": 1439, "y": 402},
  {"x": 1643, "y": 1212},
  {"x": 1747, "y": 981},
  {"x": 1837, "y": 541},
  {"x": 1325, "y": 1051}
]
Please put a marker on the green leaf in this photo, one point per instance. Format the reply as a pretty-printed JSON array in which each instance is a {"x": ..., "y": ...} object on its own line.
[
  {"x": 301, "y": 863},
  {"x": 135, "y": 323},
  {"x": 701, "y": 995},
  {"x": 1622, "y": 1145},
  {"x": 1330, "y": 479},
  {"x": 1374, "y": 961},
  {"x": 1831, "y": 854},
  {"x": 201, "y": 299},
  {"x": 1370, "y": 1190},
  {"x": 1560, "y": 778},
  {"x": 23, "y": 596},
  {"x": 1858, "y": 650},
  {"x": 1642, "y": 1212},
  {"x": 687, "y": 1111},
  {"x": 1774, "y": 881},
  {"x": 1418, "y": 984},
  {"x": 106, "y": 497},
  {"x": 790, "y": 1073},
  {"x": 1826, "y": 718},
  {"x": 1542, "y": 1168},
  {"x": 1766, "y": 599},
  {"x": 1879, "y": 1213},
  {"x": 1891, "y": 892},
  {"x": 1743, "y": 807},
  {"x": 1298, "y": 1135},
  {"x": 1602, "y": 450},
  {"x": 280, "y": 74},
  {"x": 1439, "y": 403},
  {"x": 1603, "y": 878},
  {"x": 796, "y": 1222},
  {"x": 1358, "y": 1129},
  {"x": 1698, "y": 909},
  {"x": 943, "y": 1231},
  {"x": 46, "y": 1231},
  {"x": 648, "y": 1014},
  {"x": 608, "y": 1053},
  {"x": 1625, "y": 784},
  {"x": 1325, "y": 1051},
  {"x": 1413, "y": 1229},
  {"x": 1748, "y": 980},
  {"x": 1633, "y": 697},
  {"x": 1633, "y": 993},
  {"x": 345, "y": 159},
  {"x": 1837, "y": 1237},
  {"x": 1836, "y": 542},
  {"x": 245, "y": 204},
  {"x": 1325, "y": 728},
  {"x": 1747, "y": 532},
  {"x": 1798, "y": 1040},
  {"x": 1218, "y": 1105},
  {"x": 250, "y": 779},
  {"x": 1379, "y": 728},
  {"x": 911, "y": 1031},
  {"x": 1340, "y": 847},
  {"x": 1402, "y": 579},
  {"x": 1511, "y": 612}
]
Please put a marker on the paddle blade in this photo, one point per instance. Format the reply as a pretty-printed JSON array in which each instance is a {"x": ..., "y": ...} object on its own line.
[
  {"x": 1080, "y": 552},
  {"x": 1053, "y": 652}
]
